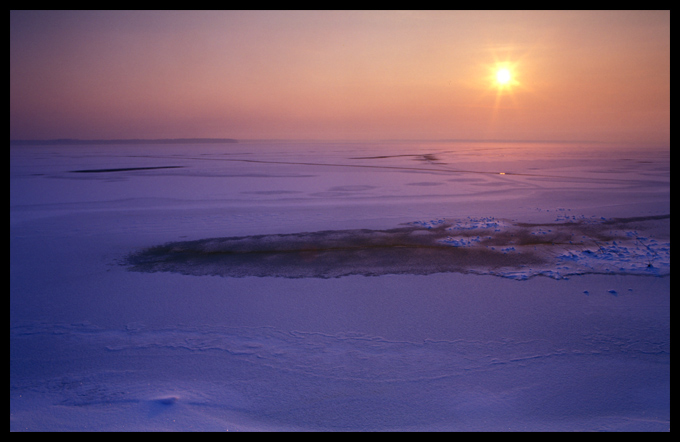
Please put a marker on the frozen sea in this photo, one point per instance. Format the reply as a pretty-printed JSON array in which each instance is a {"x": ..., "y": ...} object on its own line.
[{"x": 340, "y": 286}]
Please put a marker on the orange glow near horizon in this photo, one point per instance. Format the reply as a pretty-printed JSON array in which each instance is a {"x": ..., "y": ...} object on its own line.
[{"x": 571, "y": 75}]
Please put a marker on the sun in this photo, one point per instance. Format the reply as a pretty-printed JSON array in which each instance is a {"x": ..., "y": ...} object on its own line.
[
  {"x": 504, "y": 80},
  {"x": 503, "y": 76}
]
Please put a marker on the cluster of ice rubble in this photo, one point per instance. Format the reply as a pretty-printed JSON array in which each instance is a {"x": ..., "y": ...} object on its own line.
[{"x": 571, "y": 245}]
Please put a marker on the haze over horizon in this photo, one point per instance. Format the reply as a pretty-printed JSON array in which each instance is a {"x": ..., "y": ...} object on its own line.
[{"x": 600, "y": 76}]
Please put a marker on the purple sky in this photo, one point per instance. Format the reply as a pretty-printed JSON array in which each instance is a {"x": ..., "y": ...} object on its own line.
[{"x": 575, "y": 75}]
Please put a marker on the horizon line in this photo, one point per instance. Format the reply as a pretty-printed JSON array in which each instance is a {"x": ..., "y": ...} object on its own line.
[
  {"x": 234, "y": 140},
  {"x": 200, "y": 140}
]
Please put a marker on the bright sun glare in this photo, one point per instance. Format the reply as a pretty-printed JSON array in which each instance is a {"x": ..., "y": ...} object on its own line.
[
  {"x": 503, "y": 76},
  {"x": 503, "y": 80}
]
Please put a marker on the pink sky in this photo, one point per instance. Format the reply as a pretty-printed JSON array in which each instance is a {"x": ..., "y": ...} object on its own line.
[{"x": 577, "y": 75}]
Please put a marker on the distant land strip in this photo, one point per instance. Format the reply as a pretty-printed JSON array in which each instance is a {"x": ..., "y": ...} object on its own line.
[{"x": 71, "y": 141}]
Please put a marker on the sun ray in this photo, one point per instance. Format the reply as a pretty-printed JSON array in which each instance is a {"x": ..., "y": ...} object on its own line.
[{"x": 503, "y": 81}]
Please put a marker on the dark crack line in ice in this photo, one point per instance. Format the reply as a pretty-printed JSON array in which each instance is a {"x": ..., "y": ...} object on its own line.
[
  {"x": 125, "y": 169},
  {"x": 421, "y": 169}
]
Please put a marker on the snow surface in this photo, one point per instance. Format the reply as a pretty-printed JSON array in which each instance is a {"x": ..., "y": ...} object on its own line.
[{"x": 578, "y": 341}]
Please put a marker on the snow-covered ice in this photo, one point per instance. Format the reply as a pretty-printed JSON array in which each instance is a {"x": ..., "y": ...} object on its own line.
[{"x": 429, "y": 286}]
